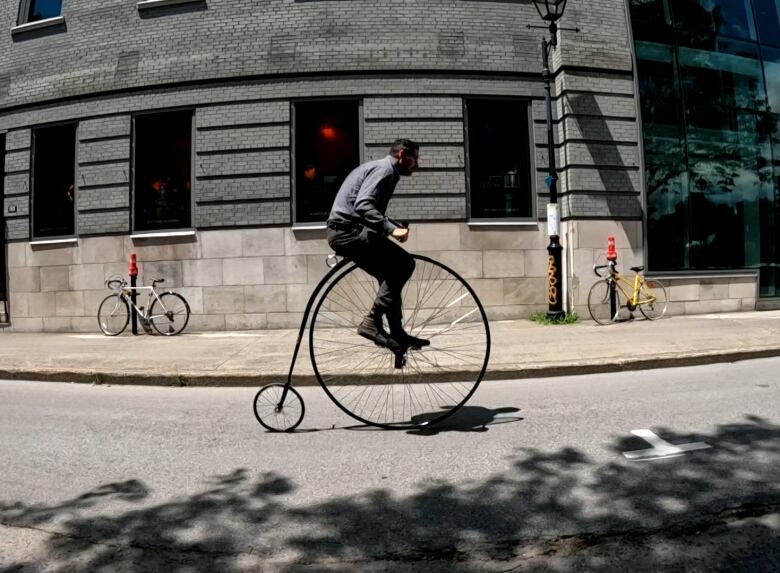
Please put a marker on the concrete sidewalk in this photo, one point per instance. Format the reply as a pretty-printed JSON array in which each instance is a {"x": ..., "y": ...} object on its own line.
[{"x": 520, "y": 349}]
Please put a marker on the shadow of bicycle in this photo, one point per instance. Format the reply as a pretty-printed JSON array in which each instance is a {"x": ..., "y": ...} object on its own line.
[{"x": 467, "y": 419}]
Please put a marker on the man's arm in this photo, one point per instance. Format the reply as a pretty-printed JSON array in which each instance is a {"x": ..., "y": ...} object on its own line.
[{"x": 371, "y": 191}]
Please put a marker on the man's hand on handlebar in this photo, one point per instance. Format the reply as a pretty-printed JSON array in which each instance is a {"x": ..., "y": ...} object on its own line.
[{"x": 401, "y": 235}]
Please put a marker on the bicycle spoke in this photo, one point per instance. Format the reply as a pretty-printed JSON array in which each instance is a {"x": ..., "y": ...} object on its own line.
[{"x": 425, "y": 384}]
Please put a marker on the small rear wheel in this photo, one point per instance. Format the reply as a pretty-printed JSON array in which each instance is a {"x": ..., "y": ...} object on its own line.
[
  {"x": 113, "y": 315},
  {"x": 169, "y": 314},
  {"x": 275, "y": 415},
  {"x": 653, "y": 291}
]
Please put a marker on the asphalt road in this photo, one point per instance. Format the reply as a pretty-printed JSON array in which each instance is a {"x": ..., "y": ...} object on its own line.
[{"x": 530, "y": 476}]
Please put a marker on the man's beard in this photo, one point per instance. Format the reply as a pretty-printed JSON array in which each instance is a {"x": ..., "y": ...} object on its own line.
[{"x": 404, "y": 170}]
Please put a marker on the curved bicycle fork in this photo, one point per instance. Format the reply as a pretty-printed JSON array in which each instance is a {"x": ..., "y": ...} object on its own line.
[{"x": 305, "y": 321}]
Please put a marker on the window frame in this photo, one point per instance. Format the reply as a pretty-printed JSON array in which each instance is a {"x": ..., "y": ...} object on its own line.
[
  {"x": 293, "y": 155},
  {"x": 33, "y": 138},
  {"x": 533, "y": 218},
  {"x": 134, "y": 232},
  {"x": 23, "y": 17}
]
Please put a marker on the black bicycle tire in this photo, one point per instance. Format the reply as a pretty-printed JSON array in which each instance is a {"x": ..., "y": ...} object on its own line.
[
  {"x": 127, "y": 317},
  {"x": 618, "y": 293},
  {"x": 666, "y": 299},
  {"x": 348, "y": 269},
  {"x": 272, "y": 428},
  {"x": 186, "y": 319}
]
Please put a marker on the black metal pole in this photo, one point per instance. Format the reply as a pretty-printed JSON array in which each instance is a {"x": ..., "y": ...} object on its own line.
[
  {"x": 555, "y": 294},
  {"x": 133, "y": 272}
]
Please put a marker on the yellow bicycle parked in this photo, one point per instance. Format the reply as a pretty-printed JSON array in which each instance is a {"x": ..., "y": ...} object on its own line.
[{"x": 611, "y": 294}]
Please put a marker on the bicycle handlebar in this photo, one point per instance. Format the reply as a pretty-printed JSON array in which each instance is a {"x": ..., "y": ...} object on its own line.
[
  {"x": 596, "y": 268},
  {"x": 115, "y": 282}
]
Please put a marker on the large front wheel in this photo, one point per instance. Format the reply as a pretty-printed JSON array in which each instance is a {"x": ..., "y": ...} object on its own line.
[
  {"x": 169, "y": 313},
  {"x": 421, "y": 386}
]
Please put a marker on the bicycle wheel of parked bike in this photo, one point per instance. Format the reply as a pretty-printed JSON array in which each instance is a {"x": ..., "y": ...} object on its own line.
[
  {"x": 170, "y": 314},
  {"x": 653, "y": 290},
  {"x": 600, "y": 305},
  {"x": 113, "y": 315},
  {"x": 420, "y": 386}
]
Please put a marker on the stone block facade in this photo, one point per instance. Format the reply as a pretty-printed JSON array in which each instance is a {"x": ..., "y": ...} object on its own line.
[
  {"x": 262, "y": 278},
  {"x": 240, "y": 68}
]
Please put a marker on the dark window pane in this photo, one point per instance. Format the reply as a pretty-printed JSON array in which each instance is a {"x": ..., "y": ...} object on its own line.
[
  {"x": 772, "y": 74},
  {"x": 163, "y": 144},
  {"x": 2, "y": 223},
  {"x": 667, "y": 201},
  {"x": 42, "y": 9},
  {"x": 699, "y": 22},
  {"x": 657, "y": 76},
  {"x": 770, "y": 248},
  {"x": 499, "y": 166},
  {"x": 650, "y": 21},
  {"x": 730, "y": 183},
  {"x": 722, "y": 79},
  {"x": 54, "y": 158},
  {"x": 327, "y": 148},
  {"x": 768, "y": 19}
]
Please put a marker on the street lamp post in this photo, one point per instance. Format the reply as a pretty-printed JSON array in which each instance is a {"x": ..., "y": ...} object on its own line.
[{"x": 551, "y": 11}]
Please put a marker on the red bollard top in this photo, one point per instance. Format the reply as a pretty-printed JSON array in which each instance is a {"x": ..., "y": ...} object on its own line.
[
  {"x": 132, "y": 269},
  {"x": 611, "y": 251}
]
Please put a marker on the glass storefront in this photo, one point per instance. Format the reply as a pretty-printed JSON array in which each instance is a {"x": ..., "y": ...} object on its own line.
[{"x": 709, "y": 85}]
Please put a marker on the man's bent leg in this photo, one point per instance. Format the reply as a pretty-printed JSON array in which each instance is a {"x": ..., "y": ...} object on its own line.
[{"x": 366, "y": 251}]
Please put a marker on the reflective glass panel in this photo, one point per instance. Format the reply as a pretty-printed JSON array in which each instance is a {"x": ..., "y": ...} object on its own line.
[
  {"x": 768, "y": 20},
  {"x": 651, "y": 21},
  {"x": 700, "y": 22}
]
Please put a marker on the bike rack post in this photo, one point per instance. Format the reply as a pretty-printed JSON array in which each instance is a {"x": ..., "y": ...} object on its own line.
[
  {"x": 612, "y": 258},
  {"x": 132, "y": 270}
]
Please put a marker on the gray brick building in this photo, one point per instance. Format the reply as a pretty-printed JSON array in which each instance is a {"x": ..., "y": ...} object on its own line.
[{"x": 244, "y": 246}]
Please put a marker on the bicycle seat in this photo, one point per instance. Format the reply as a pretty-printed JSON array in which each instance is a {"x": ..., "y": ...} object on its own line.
[
  {"x": 638, "y": 269},
  {"x": 155, "y": 281}
]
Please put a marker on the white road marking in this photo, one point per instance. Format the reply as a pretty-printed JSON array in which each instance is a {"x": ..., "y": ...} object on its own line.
[{"x": 661, "y": 448}]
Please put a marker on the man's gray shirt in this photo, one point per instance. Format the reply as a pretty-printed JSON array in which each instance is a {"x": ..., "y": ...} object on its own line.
[{"x": 364, "y": 195}]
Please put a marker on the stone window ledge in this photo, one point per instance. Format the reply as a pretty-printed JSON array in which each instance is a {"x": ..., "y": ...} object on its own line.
[
  {"x": 500, "y": 223},
  {"x": 38, "y": 25},
  {"x": 45, "y": 242},
  {"x": 162, "y": 234},
  {"x": 144, "y": 4}
]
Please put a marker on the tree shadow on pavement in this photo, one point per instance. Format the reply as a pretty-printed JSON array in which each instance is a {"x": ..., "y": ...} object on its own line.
[{"x": 547, "y": 507}]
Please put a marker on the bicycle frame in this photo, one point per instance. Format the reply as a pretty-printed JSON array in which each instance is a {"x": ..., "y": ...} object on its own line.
[
  {"x": 312, "y": 299},
  {"x": 631, "y": 293},
  {"x": 124, "y": 291}
]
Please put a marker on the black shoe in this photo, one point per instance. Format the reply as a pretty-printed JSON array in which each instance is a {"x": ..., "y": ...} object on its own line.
[
  {"x": 411, "y": 341},
  {"x": 376, "y": 333}
]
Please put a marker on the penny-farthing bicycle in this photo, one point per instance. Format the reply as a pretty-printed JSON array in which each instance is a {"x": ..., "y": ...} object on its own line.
[{"x": 371, "y": 383}]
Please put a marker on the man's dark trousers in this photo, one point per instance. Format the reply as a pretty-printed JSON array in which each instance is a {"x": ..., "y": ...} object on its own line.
[{"x": 386, "y": 261}]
